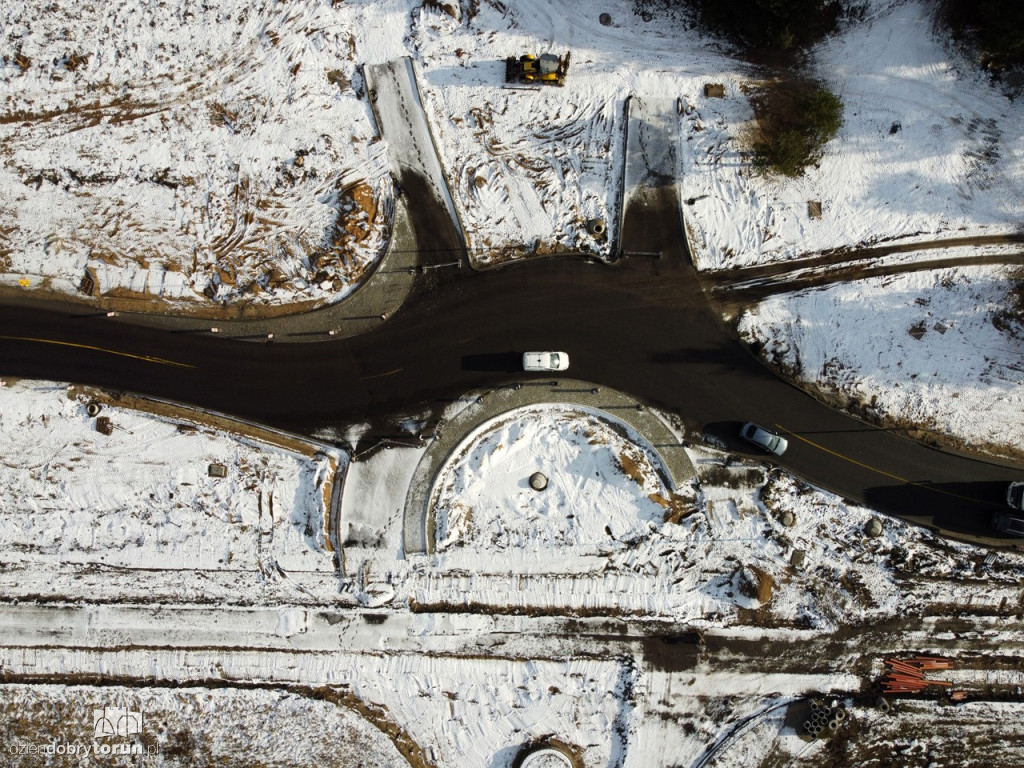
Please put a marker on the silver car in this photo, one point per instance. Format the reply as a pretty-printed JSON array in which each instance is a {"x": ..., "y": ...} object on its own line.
[{"x": 763, "y": 439}]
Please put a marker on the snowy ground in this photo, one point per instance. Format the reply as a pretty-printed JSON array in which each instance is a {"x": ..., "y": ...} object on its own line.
[
  {"x": 80, "y": 506},
  {"x": 229, "y": 153},
  {"x": 936, "y": 351},
  {"x": 214, "y": 153},
  {"x": 472, "y": 652},
  {"x": 954, "y": 167},
  {"x": 485, "y": 501},
  {"x": 189, "y": 727}
]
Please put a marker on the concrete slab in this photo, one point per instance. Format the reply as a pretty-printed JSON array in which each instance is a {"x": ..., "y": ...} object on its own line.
[
  {"x": 412, "y": 151},
  {"x": 651, "y": 169}
]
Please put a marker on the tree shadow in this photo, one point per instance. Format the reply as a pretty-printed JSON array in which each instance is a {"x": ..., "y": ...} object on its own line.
[
  {"x": 964, "y": 507},
  {"x": 715, "y": 355}
]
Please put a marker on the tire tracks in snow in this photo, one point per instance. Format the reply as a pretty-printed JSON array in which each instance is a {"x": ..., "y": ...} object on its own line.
[{"x": 752, "y": 284}]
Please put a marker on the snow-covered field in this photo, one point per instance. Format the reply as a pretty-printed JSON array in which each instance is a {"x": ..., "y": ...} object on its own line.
[
  {"x": 228, "y": 153},
  {"x": 189, "y": 727},
  {"x": 599, "y": 486},
  {"x": 197, "y": 153},
  {"x": 80, "y": 506},
  {"x": 936, "y": 350},
  {"x": 472, "y": 652},
  {"x": 928, "y": 150}
]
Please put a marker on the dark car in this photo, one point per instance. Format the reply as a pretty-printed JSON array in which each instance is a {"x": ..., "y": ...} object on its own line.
[{"x": 1005, "y": 522}]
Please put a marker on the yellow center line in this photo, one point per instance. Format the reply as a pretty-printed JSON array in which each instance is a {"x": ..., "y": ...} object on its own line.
[
  {"x": 379, "y": 375},
  {"x": 146, "y": 358},
  {"x": 845, "y": 458},
  {"x": 876, "y": 469}
]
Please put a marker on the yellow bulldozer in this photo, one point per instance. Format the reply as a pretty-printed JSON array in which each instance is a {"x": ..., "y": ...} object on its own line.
[{"x": 546, "y": 69}]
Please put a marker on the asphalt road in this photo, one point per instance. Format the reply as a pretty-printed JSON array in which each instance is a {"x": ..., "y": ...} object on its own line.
[{"x": 642, "y": 326}]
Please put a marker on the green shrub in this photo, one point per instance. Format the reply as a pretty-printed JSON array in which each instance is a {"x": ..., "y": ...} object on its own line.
[
  {"x": 793, "y": 138},
  {"x": 788, "y": 152},
  {"x": 823, "y": 113}
]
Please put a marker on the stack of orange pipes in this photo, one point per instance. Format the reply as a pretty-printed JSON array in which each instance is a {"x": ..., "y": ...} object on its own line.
[{"x": 908, "y": 676}]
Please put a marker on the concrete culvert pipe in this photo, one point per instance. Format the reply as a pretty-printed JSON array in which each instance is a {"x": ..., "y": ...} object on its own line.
[
  {"x": 840, "y": 714},
  {"x": 883, "y": 705},
  {"x": 538, "y": 481},
  {"x": 596, "y": 227},
  {"x": 93, "y": 409},
  {"x": 833, "y": 725}
]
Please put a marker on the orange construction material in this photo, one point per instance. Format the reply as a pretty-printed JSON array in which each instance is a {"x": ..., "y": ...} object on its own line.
[
  {"x": 907, "y": 676},
  {"x": 903, "y": 667}
]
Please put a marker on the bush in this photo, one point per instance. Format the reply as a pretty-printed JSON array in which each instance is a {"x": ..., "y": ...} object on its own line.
[
  {"x": 823, "y": 113},
  {"x": 793, "y": 138},
  {"x": 787, "y": 152}
]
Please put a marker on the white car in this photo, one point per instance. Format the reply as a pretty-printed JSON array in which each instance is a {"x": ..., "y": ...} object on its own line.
[
  {"x": 763, "y": 439},
  {"x": 545, "y": 361},
  {"x": 1015, "y": 495}
]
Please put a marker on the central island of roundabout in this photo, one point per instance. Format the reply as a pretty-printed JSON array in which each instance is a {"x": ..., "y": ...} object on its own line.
[{"x": 566, "y": 461}]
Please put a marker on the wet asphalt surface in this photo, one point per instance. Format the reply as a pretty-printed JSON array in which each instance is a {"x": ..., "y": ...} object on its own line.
[{"x": 641, "y": 325}]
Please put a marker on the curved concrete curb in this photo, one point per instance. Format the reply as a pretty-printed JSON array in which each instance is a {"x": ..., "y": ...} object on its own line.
[
  {"x": 363, "y": 310},
  {"x": 485, "y": 405},
  {"x": 413, "y": 153}
]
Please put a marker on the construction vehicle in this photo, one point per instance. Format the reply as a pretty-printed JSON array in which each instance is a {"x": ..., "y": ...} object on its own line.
[{"x": 546, "y": 69}]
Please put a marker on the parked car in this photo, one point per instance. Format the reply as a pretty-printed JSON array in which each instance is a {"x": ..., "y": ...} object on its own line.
[
  {"x": 545, "y": 361},
  {"x": 763, "y": 439},
  {"x": 1015, "y": 495},
  {"x": 1007, "y": 522}
]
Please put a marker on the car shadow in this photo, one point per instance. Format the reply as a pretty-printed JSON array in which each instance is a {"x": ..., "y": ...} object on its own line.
[
  {"x": 504, "y": 362},
  {"x": 726, "y": 435}
]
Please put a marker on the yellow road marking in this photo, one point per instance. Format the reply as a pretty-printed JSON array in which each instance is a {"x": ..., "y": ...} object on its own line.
[
  {"x": 845, "y": 458},
  {"x": 146, "y": 358},
  {"x": 876, "y": 469},
  {"x": 379, "y": 375}
]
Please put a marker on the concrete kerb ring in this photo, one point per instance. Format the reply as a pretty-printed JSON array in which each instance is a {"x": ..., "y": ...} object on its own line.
[{"x": 484, "y": 407}]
